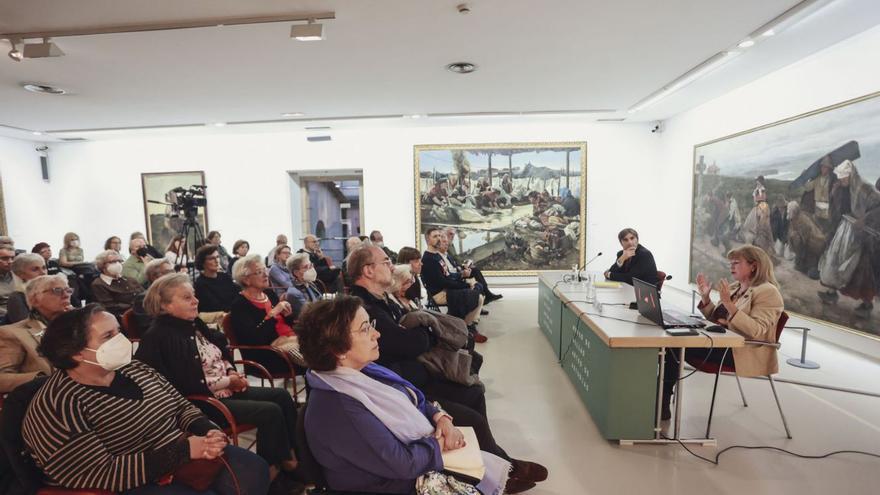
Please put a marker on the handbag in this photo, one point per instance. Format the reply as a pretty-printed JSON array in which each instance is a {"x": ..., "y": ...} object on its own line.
[
  {"x": 290, "y": 345},
  {"x": 199, "y": 474}
]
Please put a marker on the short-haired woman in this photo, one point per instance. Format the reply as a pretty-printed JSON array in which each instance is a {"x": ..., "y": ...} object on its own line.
[
  {"x": 412, "y": 257},
  {"x": 239, "y": 250},
  {"x": 113, "y": 243},
  {"x": 197, "y": 361},
  {"x": 25, "y": 267},
  {"x": 215, "y": 239},
  {"x": 357, "y": 408},
  {"x": 214, "y": 288},
  {"x": 279, "y": 277},
  {"x": 111, "y": 289},
  {"x": 304, "y": 289},
  {"x": 401, "y": 281},
  {"x": 258, "y": 317},
  {"x": 116, "y": 424},
  {"x": 749, "y": 306}
]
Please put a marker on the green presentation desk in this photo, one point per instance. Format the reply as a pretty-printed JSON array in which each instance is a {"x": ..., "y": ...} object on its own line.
[{"x": 612, "y": 358}]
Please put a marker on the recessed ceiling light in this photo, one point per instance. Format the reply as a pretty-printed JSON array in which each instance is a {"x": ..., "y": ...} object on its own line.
[
  {"x": 292, "y": 114},
  {"x": 37, "y": 133},
  {"x": 219, "y": 124},
  {"x": 415, "y": 116},
  {"x": 43, "y": 89},
  {"x": 746, "y": 44},
  {"x": 768, "y": 32},
  {"x": 317, "y": 128},
  {"x": 461, "y": 67}
]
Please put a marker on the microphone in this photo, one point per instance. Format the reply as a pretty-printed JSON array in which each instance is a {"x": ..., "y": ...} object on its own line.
[{"x": 588, "y": 263}]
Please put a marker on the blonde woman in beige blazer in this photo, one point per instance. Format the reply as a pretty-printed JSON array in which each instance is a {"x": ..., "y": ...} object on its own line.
[
  {"x": 749, "y": 306},
  {"x": 48, "y": 297}
]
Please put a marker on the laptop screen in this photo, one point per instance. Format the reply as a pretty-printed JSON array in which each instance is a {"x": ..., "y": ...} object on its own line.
[{"x": 648, "y": 301}]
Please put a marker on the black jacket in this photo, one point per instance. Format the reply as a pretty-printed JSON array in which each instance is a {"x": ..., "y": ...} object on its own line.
[
  {"x": 398, "y": 347},
  {"x": 435, "y": 276},
  {"x": 250, "y": 326},
  {"x": 169, "y": 346},
  {"x": 215, "y": 294},
  {"x": 640, "y": 266}
]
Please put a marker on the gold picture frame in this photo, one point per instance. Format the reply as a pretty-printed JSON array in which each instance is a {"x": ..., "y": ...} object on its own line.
[{"x": 161, "y": 228}]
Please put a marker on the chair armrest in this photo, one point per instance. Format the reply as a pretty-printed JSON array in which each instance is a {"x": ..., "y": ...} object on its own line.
[
  {"x": 762, "y": 343},
  {"x": 261, "y": 370},
  {"x": 283, "y": 355},
  {"x": 227, "y": 414}
]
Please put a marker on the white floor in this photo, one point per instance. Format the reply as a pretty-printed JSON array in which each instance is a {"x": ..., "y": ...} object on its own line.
[{"x": 536, "y": 415}]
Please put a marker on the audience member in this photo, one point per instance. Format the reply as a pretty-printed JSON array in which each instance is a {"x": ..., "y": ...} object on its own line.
[
  {"x": 48, "y": 296},
  {"x": 116, "y": 424},
  {"x": 469, "y": 271},
  {"x": 214, "y": 288},
  {"x": 400, "y": 347},
  {"x": 25, "y": 267},
  {"x": 134, "y": 265},
  {"x": 304, "y": 290},
  {"x": 44, "y": 250},
  {"x": 239, "y": 249},
  {"x": 113, "y": 243},
  {"x": 351, "y": 244},
  {"x": 280, "y": 240},
  {"x": 214, "y": 238},
  {"x": 152, "y": 252},
  {"x": 111, "y": 288},
  {"x": 70, "y": 255},
  {"x": 197, "y": 361},
  {"x": 257, "y": 316},
  {"x": 7, "y": 281},
  {"x": 633, "y": 261},
  {"x": 357, "y": 408},
  {"x": 279, "y": 278},
  {"x": 450, "y": 287},
  {"x": 142, "y": 320},
  {"x": 175, "y": 249},
  {"x": 749, "y": 306},
  {"x": 6, "y": 241},
  {"x": 377, "y": 239},
  {"x": 328, "y": 273},
  {"x": 412, "y": 256},
  {"x": 401, "y": 281}
]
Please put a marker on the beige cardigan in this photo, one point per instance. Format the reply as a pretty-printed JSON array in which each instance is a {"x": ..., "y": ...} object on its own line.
[
  {"x": 19, "y": 361},
  {"x": 758, "y": 312}
]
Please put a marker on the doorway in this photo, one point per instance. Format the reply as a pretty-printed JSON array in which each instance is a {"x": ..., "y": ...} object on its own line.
[{"x": 329, "y": 205}]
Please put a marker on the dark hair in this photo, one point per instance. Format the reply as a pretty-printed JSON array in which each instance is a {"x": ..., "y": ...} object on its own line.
[
  {"x": 39, "y": 247},
  {"x": 212, "y": 234},
  {"x": 68, "y": 334},
  {"x": 432, "y": 230},
  {"x": 203, "y": 253},
  {"x": 238, "y": 244},
  {"x": 109, "y": 240},
  {"x": 625, "y": 232},
  {"x": 373, "y": 235},
  {"x": 407, "y": 254},
  {"x": 357, "y": 260},
  {"x": 324, "y": 330}
]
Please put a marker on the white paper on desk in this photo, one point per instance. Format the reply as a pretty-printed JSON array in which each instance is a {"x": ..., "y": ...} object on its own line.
[{"x": 467, "y": 460}]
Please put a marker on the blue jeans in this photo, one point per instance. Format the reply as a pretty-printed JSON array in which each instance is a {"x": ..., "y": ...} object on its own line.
[{"x": 250, "y": 469}]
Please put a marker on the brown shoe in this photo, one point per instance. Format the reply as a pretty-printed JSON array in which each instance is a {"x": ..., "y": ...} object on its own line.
[
  {"x": 480, "y": 338},
  {"x": 516, "y": 486},
  {"x": 528, "y": 471}
]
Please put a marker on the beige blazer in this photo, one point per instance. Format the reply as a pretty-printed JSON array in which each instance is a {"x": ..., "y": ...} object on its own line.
[
  {"x": 19, "y": 361},
  {"x": 758, "y": 312}
]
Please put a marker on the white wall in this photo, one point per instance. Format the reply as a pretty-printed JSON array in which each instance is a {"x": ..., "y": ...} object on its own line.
[
  {"x": 842, "y": 72},
  {"x": 95, "y": 187}
]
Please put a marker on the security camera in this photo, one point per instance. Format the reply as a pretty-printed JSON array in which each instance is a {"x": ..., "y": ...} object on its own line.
[
  {"x": 657, "y": 127},
  {"x": 41, "y": 148}
]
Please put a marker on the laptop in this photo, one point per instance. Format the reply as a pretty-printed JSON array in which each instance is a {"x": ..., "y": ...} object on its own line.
[{"x": 648, "y": 301}]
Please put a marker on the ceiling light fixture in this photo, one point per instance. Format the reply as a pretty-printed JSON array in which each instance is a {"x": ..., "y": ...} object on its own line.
[
  {"x": 219, "y": 124},
  {"x": 768, "y": 33},
  {"x": 746, "y": 44},
  {"x": 307, "y": 32},
  {"x": 293, "y": 114},
  {"x": 45, "y": 49},
  {"x": 14, "y": 53},
  {"x": 688, "y": 77},
  {"x": 461, "y": 67},
  {"x": 37, "y": 133},
  {"x": 43, "y": 89}
]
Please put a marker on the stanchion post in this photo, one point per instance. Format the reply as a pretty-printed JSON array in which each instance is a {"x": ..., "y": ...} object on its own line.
[{"x": 802, "y": 362}]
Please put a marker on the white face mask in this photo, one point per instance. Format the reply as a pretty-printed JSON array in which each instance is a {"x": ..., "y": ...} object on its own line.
[
  {"x": 379, "y": 244},
  {"x": 74, "y": 243},
  {"x": 114, "y": 269},
  {"x": 113, "y": 354},
  {"x": 310, "y": 275}
]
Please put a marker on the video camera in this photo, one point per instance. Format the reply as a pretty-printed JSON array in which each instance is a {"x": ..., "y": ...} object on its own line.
[{"x": 186, "y": 201}]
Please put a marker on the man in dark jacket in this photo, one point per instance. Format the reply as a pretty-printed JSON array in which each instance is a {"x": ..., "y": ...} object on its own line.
[{"x": 633, "y": 261}]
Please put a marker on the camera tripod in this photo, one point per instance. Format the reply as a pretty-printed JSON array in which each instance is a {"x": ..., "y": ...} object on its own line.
[{"x": 190, "y": 228}]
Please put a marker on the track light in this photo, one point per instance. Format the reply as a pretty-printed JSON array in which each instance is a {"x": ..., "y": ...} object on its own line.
[
  {"x": 42, "y": 50},
  {"x": 14, "y": 53},
  {"x": 307, "y": 32}
]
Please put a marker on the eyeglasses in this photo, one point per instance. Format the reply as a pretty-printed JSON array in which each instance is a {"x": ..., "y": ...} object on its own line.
[
  {"x": 386, "y": 261},
  {"x": 365, "y": 328},
  {"x": 59, "y": 291},
  {"x": 259, "y": 272},
  {"x": 7, "y": 258}
]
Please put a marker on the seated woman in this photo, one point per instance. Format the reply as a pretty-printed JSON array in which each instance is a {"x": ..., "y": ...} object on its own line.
[
  {"x": 239, "y": 249},
  {"x": 401, "y": 281},
  {"x": 750, "y": 306},
  {"x": 370, "y": 429},
  {"x": 113, "y": 243},
  {"x": 197, "y": 361},
  {"x": 72, "y": 262},
  {"x": 70, "y": 255},
  {"x": 116, "y": 424},
  {"x": 412, "y": 257},
  {"x": 175, "y": 249},
  {"x": 214, "y": 288},
  {"x": 279, "y": 277},
  {"x": 259, "y": 318},
  {"x": 304, "y": 290},
  {"x": 45, "y": 250},
  {"x": 25, "y": 267},
  {"x": 115, "y": 292}
]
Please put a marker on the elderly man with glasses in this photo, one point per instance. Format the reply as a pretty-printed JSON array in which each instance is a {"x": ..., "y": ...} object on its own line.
[{"x": 48, "y": 296}]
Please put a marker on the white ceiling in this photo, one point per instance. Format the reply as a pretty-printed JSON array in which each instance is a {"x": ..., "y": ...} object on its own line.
[{"x": 387, "y": 57}]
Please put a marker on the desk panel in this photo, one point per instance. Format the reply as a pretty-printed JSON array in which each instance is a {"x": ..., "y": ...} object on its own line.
[{"x": 549, "y": 314}]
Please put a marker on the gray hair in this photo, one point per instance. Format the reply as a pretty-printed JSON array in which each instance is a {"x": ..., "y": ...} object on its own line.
[
  {"x": 153, "y": 268},
  {"x": 37, "y": 285},
  {"x": 159, "y": 292},
  {"x": 296, "y": 261},
  {"x": 243, "y": 266},
  {"x": 399, "y": 275},
  {"x": 101, "y": 258},
  {"x": 25, "y": 260},
  {"x": 353, "y": 243}
]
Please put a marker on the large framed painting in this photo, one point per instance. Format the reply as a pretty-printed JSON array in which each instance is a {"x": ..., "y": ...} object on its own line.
[
  {"x": 175, "y": 204},
  {"x": 804, "y": 189},
  {"x": 516, "y": 209}
]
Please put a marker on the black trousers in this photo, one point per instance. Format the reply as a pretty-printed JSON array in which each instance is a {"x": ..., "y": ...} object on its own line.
[
  {"x": 273, "y": 412},
  {"x": 477, "y": 275},
  {"x": 463, "y": 415},
  {"x": 695, "y": 354},
  {"x": 473, "y": 396}
]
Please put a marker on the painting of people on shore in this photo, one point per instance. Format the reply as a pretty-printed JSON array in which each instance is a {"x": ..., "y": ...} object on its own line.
[
  {"x": 807, "y": 191},
  {"x": 515, "y": 209}
]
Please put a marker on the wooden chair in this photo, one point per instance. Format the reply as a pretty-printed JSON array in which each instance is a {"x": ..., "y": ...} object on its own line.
[
  {"x": 718, "y": 368},
  {"x": 662, "y": 277},
  {"x": 129, "y": 326}
]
